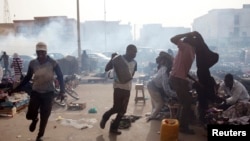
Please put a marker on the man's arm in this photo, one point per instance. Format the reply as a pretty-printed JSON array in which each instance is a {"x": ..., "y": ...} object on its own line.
[
  {"x": 135, "y": 69},
  {"x": 109, "y": 65},
  {"x": 235, "y": 95},
  {"x": 178, "y": 37},
  {"x": 60, "y": 79},
  {"x": 25, "y": 80},
  {"x": 199, "y": 37}
]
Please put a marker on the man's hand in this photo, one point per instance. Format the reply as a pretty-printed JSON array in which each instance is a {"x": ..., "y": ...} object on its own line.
[
  {"x": 194, "y": 33},
  {"x": 224, "y": 102},
  {"x": 113, "y": 55}
]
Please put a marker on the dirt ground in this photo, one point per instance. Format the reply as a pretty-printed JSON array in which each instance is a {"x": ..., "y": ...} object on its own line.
[{"x": 80, "y": 125}]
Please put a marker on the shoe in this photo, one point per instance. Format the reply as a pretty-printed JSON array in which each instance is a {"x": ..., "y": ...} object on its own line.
[
  {"x": 187, "y": 131},
  {"x": 102, "y": 123},
  {"x": 33, "y": 125},
  {"x": 115, "y": 131},
  {"x": 39, "y": 139}
]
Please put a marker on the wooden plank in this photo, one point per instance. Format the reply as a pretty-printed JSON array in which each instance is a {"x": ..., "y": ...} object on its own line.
[{"x": 8, "y": 111}]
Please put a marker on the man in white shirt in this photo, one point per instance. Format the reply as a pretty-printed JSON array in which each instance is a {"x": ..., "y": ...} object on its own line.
[
  {"x": 235, "y": 91},
  {"x": 158, "y": 86},
  {"x": 122, "y": 89}
]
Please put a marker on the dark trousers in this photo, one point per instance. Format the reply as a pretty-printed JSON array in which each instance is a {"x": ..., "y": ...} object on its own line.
[
  {"x": 120, "y": 104},
  {"x": 206, "y": 91},
  {"x": 42, "y": 102},
  {"x": 181, "y": 87},
  {"x": 6, "y": 70},
  {"x": 203, "y": 102}
]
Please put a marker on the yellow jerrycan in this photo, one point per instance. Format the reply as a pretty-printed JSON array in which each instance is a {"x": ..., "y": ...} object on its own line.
[{"x": 169, "y": 130}]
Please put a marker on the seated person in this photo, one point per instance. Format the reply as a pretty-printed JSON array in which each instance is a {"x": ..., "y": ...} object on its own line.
[
  {"x": 234, "y": 91},
  {"x": 158, "y": 87}
]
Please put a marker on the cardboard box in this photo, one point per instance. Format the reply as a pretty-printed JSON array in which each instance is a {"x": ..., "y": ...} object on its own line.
[{"x": 76, "y": 106}]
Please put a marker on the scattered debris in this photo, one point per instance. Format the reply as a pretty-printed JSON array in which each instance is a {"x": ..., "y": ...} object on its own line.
[
  {"x": 79, "y": 124},
  {"x": 59, "y": 118},
  {"x": 76, "y": 106},
  {"x": 92, "y": 110}
]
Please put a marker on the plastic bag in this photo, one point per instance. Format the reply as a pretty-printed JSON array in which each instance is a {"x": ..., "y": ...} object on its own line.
[{"x": 110, "y": 74}]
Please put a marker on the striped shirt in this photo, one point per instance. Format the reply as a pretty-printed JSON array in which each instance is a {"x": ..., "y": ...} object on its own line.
[{"x": 17, "y": 65}]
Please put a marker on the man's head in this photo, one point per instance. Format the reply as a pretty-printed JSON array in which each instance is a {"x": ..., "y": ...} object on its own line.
[
  {"x": 164, "y": 56},
  {"x": 41, "y": 50},
  {"x": 15, "y": 55},
  {"x": 229, "y": 80},
  {"x": 41, "y": 46},
  {"x": 131, "y": 51}
]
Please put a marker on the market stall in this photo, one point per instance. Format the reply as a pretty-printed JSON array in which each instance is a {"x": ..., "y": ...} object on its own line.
[{"x": 10, "y": 105}]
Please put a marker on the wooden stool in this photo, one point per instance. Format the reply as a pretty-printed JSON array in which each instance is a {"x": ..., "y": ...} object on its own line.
[{"x": 141, "y": 88}]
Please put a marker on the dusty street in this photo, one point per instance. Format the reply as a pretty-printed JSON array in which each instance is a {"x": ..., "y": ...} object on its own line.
[{"x": 80, "y": 125}]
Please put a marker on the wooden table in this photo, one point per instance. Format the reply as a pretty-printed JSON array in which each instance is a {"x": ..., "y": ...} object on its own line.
[{"x": 13, "y": 104}]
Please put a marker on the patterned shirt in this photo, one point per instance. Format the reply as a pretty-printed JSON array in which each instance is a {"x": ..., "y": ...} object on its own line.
[
  {"x": 17, "y": 65},
  {"x": 160, "y": 80}
]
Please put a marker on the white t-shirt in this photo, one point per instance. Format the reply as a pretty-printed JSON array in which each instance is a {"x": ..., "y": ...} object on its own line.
[
  {"x": 237, "y": 93},
  {"x": 128, "y": 85}
]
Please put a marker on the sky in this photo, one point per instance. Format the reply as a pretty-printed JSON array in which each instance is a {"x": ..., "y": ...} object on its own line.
[
  {"x": 167, "y": 12},
  {"x": 174, "y": 13}
]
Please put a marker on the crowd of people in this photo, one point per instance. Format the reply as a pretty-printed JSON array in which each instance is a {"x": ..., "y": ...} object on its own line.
[
  {"x": 8, "y": 66},
  {"x": 171, "y": 80}
]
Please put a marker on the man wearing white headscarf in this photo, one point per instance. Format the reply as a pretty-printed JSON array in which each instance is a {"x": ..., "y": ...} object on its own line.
[{"x": 158, "y": 86}]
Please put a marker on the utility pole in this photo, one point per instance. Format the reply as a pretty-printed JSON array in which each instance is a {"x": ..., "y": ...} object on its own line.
[
  {"x": 135, "y": 32},
  {"x": 105, "y": 27},
  {"x": 6, "y": 12},
  {"x": 79, "y": 38}
]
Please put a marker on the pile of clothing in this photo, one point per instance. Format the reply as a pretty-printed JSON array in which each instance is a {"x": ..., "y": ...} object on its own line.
[
  {"x": 237, "y": 114},
  {"x": 127, "y": 120}
]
